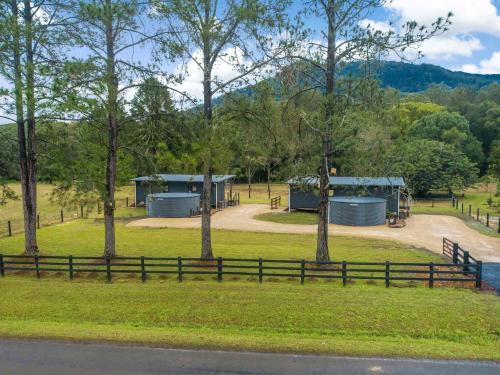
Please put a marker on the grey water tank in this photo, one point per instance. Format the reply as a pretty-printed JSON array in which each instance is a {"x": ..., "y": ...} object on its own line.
[
  {"x": 172, "y": 204},
  {"x": 357, "y": 211}
]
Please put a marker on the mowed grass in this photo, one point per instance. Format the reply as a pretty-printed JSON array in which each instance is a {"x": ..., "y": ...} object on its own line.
[
  {"x": 238, "y": 315},
  {"x": 294, "y": 217},
  {"x": 49, "y": 208},
  {"x": 86, "y": 238},
  {"x": 259, "y": 193}
]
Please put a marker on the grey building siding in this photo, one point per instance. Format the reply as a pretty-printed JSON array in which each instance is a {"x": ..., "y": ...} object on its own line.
[
  {"x": 389, "y": 194},
  {"x": 144, "y": 188},
  {"x": 304, "y": 197}
]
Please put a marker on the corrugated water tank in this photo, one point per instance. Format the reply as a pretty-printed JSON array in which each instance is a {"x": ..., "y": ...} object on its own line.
[
  {"x": 357, "y": 211},
  {"x": 172, "y": 204}
]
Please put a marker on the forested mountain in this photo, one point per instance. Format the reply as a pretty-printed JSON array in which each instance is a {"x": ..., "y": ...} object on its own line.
[{"x": 415, "y": 78}]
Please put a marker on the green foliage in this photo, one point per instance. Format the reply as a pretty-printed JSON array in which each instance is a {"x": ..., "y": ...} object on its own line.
[
  {"x": 429, "y": 164},
  {"x": 449, "y": 128}
]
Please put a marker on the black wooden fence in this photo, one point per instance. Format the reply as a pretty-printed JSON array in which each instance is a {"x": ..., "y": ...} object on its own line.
[{"x": 464, "y": 269}]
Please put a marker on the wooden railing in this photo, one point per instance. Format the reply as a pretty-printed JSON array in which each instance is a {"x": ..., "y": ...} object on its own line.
[
  {"x": 465, "y": 270},
  {"x": 275, "y": 202}
]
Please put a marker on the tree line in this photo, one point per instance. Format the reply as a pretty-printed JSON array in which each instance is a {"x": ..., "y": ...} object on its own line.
[{"x": 89, "y": 115}]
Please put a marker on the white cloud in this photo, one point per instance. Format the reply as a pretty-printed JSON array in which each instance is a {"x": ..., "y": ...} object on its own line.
[
  {"x": 225, "y": 68},
  {"x": 469, "y": 17},
  {"x": 488, "y": 66},
  {"x": 376, "y": 25}
]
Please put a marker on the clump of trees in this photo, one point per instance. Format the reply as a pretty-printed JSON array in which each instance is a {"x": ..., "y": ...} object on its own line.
[{"x": 106, "y": 116}]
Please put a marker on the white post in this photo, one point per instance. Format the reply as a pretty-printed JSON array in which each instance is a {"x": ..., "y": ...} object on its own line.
[
  {"x": 289, "y": 199},
  {"x": 216, "y": 197}
]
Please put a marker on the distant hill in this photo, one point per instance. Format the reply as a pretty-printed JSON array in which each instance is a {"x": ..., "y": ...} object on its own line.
[
  {"x": 405, "y": 77},
  {"x": 418, "y": 77}
]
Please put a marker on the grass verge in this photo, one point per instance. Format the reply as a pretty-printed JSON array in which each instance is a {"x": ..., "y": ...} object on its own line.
[
  {"x": 315, "y": 318},
  {"x": 295, "y": 217}
]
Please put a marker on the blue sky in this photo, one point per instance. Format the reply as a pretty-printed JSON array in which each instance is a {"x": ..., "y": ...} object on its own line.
[{"x": 473, "y": 42}]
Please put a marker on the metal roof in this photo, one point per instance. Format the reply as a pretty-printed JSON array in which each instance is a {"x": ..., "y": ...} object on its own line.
[
  {"x": 172, "y": 195},
  {"x": 351, "y": 181},
  {"x": 183, "y": 178},
  {"x": 353, "y": 199}
]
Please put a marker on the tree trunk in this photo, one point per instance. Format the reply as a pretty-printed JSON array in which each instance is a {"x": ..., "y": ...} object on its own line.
[
  {"x": 269, "y": 180},
  {"x": 322, "y": 251},
  {"x": 206, "y": 237},
  {"x": 25, "y": 166},
  {"x": 112, "y": 104},
  {"x": 249, "y": 182}
]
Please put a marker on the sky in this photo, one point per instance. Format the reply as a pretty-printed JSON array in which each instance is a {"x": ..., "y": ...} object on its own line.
[{"x": 472, "y": 43}]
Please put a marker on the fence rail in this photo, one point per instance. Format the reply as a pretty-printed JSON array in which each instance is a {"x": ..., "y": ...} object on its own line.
[
  {"x": 275, "y": 202},
  {"x": 430, "y": 273},
  {"x": 490, "y": 221},
  {"x": 44, "y": 219}
]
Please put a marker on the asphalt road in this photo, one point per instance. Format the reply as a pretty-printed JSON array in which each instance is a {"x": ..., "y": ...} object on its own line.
[{"x": 19, "y": 357}]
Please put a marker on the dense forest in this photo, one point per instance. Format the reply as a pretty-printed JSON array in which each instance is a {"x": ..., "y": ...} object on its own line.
[{"x": 441, "y": 138}]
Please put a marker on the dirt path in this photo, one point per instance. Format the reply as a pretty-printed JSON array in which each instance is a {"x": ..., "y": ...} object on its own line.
[{"x": 421, "y": 230}]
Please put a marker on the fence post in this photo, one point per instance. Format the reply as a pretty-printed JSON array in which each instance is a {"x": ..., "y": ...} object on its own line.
[
  {"x": 387, "y": 273},
  {"x": 9, "y": 227},
  {"x": 126, "y": 201},
  {"x": 108, "y": 268},
  {"x": 479, "y": 274},
  {"x": 98, "y": 207},
  {"x": 344, "y": 273},
  {"x": 457, "y": 204},
  {"x": 38, "y": 221},
  {"x": 455, "y": 253},
  {"x": 260, "y": 270},
  {"x": 37, "y": 267},
  {"x": 62, "y": 216},
  {"x": 477, "y": 216},
  {"x": 179, "y": 269},
  {"x": 219, "y": 269},
  {"x": 2, "y": 267},
  {"x": 81, "y": 212},
  {"x": 462, "y": 208},
  {"x": 499, "y": 225},
  {"x": 488, "y": 219},
  {"x": 470, "y": 210},
  {"x": 143, "y": 270},
  {"x": 70, "y": 265},
  {"x": 302, "y": 271},
  {"x": 432, "y": 202},
  {"x": 466, "y": 262},
  {"x": 431, "y": 275}
]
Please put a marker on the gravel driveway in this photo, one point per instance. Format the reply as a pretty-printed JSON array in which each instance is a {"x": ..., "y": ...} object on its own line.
[{"x": 425, "y": 231}]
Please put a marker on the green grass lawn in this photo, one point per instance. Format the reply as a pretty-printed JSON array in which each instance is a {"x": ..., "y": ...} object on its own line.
[
  {"x": 49, "y": 209},
  {"x": 260, "y": 195},
  {"x": 85, "y": 237},
  {"x": 283, "y": 317},
  {"x": 294, "y": 217},
  {"x": 240, "y": 314}
]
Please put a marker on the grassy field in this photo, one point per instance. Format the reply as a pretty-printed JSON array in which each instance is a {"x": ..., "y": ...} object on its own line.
[
  {"x": 85, "y": 237},
  {"x": 294, "y": 217},
  {"x": 277, "y": 315},
  {"x": 49, "y": 210},
  {"x": 259, "y": 193},
  {"x": 283, "y": 317}
]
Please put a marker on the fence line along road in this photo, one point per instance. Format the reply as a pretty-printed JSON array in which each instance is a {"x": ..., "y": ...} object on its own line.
[{"x": 463, "y": 269}]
